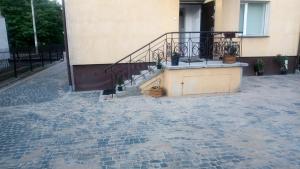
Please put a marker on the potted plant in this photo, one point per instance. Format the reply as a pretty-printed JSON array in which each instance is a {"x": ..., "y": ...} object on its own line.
[
  {"x": 230, "y": 53},
  {"x": 158, "y": 64},
  {"x": 156, "y": 91},
  {"x": 259, "y": 67},
  {"x": 283, "y": 63},
  {"x": 120, "y": 83},
  {"x": 175, "y": 59}
]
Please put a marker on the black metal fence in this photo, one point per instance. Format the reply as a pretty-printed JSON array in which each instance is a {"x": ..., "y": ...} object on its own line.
[{"x": 24, "y": 60}]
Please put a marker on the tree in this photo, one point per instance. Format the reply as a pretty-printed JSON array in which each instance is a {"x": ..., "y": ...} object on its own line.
[{"x": 19, "y": 22}]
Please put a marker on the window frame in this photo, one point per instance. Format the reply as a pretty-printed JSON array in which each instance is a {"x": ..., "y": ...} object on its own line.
[{"x": 265, "y": 28}]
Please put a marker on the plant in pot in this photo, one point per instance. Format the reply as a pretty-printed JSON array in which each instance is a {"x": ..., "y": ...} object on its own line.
[
  {"x": 230, "y": 53},
  {"x": 175, "y": 59},
  {"x": 120, "y": 83},
  {"x": 157, "y": 91},
  {"x": 259, "y": 67},
  {"x": 283, "y": 63},
  {"x": 158, "y": 63}
]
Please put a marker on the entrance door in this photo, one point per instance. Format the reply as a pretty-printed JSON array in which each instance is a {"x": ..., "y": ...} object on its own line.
[
  {"x": 190, "y": 18},
  {"x": 189, "y": 21}
]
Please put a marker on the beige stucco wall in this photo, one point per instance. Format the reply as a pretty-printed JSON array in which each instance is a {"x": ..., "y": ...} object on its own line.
[
  {"x": 104, "y": 31},
  {"x": 283, "y": 31},
  {"x": 199, "y": 81},
  {"x": 227, "y": 14},
  {"x": 283, "y": 27},
  {"x": 101, "y": 32}
]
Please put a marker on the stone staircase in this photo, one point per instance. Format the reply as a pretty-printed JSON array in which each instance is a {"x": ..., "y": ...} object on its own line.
[{"x": 133, "y": 88}]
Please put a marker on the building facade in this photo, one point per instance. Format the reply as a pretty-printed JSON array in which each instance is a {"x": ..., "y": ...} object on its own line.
[{"x": 102, "y": 32}]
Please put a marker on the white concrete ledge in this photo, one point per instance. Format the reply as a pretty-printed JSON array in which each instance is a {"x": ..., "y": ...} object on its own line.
[{"x": 208, "y": 64}]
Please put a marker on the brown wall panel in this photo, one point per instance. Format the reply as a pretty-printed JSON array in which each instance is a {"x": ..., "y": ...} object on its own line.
[
  {"x": 271, "y": 67},
  {"x": 93, "y": 77}
]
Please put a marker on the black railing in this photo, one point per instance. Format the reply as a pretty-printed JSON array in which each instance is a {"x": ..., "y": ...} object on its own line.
[
  {"x": 190, "y": 46},
  {"x": 21, "y": 60}
]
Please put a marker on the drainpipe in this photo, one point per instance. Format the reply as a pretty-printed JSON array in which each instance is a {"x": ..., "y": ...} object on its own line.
[
  {"x": 298, "y": 58},
  {"x": 66, "y": 43}
]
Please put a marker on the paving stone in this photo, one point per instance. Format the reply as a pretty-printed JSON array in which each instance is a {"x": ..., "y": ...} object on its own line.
[{"x": 45, "y": 126}]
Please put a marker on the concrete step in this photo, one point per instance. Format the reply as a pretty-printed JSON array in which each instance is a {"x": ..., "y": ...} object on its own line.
[
  {"x": 127, "y": 82},
  {"x": 132, "y": 90},
  {"x": 138, "y": 77},
  {"x": 123, "y": 93},
  {"x": 152, "y": 68},
  {"x": 144, "y": 72}
]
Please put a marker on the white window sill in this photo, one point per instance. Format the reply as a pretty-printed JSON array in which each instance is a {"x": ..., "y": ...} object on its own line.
[{"x": 254, "y": 36}]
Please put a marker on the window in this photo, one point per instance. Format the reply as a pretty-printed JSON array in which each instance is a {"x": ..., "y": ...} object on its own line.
[{"x": 253, "y": 18}]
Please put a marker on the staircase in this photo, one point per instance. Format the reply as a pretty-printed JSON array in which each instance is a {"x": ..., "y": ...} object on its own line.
[
  {"x": 133, "y": 89},
  {"x": 140, "y": 66}
]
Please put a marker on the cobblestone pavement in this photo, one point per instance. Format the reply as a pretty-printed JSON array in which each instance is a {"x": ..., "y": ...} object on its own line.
[
  {"x": 258, "y": 128},
  {"x": 43, "y": 86}
]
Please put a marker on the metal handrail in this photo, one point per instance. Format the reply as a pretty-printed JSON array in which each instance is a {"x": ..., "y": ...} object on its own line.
[
  {"x": 208, "y": 45},
  {"x": 168, "y": 33},
  {"x": 107, "y": 68}
]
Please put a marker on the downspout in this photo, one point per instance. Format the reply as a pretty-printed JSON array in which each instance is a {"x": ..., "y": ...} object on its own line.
[
  {"x": 298, "y": 54},
  {"x": 66, "y": 43}
]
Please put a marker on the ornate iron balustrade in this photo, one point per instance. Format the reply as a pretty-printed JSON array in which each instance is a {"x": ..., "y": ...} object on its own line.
[{"x": 190, "y": 46}]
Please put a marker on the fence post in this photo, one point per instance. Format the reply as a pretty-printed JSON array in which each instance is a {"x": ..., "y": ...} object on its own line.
[
  {"x": 50, "y": 58},
  {"x": 172, "y": 44},
  {"x": 166, "y": 54},
  {"x": 15, "y": 64},
  {"x": 30, "y": 59},
  {"x": 131, "y": 80},
  {"x": 42, "y": 57},
  {"x": 57, "y": 55},
  {"x": 62, "y": 54}
]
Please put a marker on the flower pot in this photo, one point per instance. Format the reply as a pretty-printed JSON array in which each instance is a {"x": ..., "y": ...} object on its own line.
[
  {"x": 175, "y": 60},
  {"x": 159, "y": 66},
  {"x": 156, "y": 92},
  {"x": 120, "y": 88},
  {"x": 283, "y": 72},
  {"x": 259, "y": 73},
  {"x": 229, "y": 59}
]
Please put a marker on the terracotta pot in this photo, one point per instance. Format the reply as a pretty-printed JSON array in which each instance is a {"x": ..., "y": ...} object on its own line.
[
  {"x": 229, "y": 59},
  {"x": 156, "y": 92},
  {"x": 259, "y": 73},
  {"x": 120, "y": 88}
]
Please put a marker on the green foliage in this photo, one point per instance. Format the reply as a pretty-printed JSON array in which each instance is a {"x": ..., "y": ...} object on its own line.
[
  {"x": 19, "y": 22},
  {"x": 281, "y": 61},
  {"x": 259, "y": 66},
  {"x": 231, "y": 49},
  {"x": 120, "y": 80}
]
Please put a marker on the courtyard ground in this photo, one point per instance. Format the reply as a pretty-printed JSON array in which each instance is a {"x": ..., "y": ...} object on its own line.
[{"x": 44, "y": 125}]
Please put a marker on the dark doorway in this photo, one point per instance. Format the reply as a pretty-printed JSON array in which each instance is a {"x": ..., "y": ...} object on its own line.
[
  {"x": 207, "y": 24},
  {"x": 207, "y": 16}
]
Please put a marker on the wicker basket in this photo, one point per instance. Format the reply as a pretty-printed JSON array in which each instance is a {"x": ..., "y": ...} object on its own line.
[
  {"x": 156, "y": 92},
  {"x": 229, "y": 59}
]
